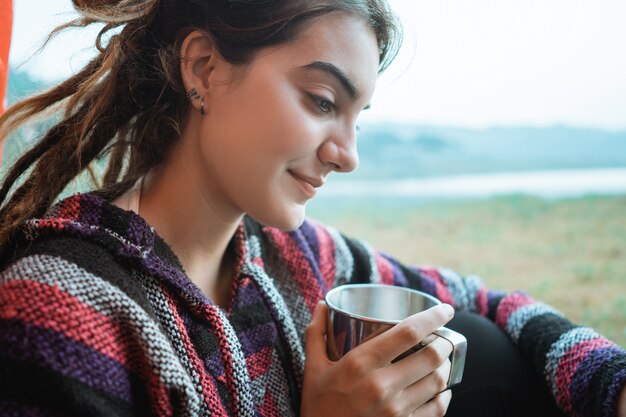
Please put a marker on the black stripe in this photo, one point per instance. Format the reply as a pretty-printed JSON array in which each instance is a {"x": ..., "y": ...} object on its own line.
[
  {"x": 492, "y": 306},
  {"x": 27, "y": 383},
  {"x": 96, "y": 260},
  {"x": 539, "y": 334},
  {"x": 412, "y": 276},
  {"x": 601, "y": 381},
  {"x": 362, "y": 271},
  {"x": 164, "y": 251},
  {"x": 201, "y": 337},
  {"x": 249, "y": 316}
]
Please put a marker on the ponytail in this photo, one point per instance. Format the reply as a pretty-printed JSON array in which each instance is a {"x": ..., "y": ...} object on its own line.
[{"x": 127, "y": 106}]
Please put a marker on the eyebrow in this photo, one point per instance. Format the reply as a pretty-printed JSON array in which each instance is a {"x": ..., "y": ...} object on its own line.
[{"x": 333, "y": 71}]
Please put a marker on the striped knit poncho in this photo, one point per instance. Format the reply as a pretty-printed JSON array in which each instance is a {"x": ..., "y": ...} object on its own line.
[{"x": 97, "y": 318}]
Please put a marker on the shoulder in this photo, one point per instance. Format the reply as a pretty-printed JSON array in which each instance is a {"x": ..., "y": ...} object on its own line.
[
  {"x": 72, "y": 263},
  {"x": 70, "y": 285},
  {"x": 76, "y": 320}
]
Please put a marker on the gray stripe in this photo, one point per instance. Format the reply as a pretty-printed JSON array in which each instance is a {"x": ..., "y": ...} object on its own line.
[
  {"x": 559, "y": 348},
  {"x": 455, "y": 285},
  {"x": 161, "y": 307},
  {"x": 243, "y": 399},
  {"x": 279, "y": 307},
  {"x": 518, "y": 319},
  {"x": 375, "y": 274},
  {"x": 279, "y": 389},
  {"x": 344, "y": 262},
  {"x": 287, "y": 287}
]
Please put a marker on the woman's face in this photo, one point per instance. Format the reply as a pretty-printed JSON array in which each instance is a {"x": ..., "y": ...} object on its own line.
[{"x": 270, "y": 138}]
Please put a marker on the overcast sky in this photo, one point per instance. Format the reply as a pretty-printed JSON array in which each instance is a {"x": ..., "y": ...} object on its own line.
[{"x": 472, "y": 63}]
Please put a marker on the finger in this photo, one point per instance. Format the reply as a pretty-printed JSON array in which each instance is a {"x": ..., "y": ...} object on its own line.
[
  {"x": 417, "y": 365},
  {"x": 314, "y": 336},
  {"x": 426, "y": 388},
  {"x": 438, "y": 406},
  {"x": 408, "y": 333}
]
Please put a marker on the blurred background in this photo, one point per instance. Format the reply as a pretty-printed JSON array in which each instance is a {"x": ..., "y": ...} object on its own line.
[{"x": 495, "y": 146}]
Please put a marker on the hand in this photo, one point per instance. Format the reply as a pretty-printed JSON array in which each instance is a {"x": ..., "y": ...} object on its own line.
[{"x": 364, "y": 382}]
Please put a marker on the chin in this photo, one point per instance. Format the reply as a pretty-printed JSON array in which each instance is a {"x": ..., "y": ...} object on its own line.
[{"x": 286, "y": 218}]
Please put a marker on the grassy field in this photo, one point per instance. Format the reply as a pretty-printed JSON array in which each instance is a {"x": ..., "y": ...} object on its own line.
[{"x": 569, "y": 253}]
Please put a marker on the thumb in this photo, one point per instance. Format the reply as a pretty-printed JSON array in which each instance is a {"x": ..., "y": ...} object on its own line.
[{"x": 316, "y": 331}]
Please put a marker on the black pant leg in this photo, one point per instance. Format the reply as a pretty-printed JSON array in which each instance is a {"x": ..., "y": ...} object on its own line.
[{"x": 497, "y": 381}]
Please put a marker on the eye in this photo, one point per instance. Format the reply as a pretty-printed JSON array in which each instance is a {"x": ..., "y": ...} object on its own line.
[{"x": 324, "y": 105}]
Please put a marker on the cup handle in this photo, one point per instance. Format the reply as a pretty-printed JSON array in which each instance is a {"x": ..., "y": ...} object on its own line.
[{"x": 457, "y": 357}]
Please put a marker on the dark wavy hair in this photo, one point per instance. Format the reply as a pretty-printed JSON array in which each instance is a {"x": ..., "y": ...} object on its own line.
[{"x": 126, "y": 106}]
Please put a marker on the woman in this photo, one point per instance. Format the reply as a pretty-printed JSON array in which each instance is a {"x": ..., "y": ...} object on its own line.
[{"x": 189, "y": 281}]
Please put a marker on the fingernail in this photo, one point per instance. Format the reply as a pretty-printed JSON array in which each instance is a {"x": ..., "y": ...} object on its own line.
[{"x": 449, "y": 310}]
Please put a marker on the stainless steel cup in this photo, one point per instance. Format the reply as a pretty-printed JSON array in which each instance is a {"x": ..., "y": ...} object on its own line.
[{"x": 358, "y": 312}]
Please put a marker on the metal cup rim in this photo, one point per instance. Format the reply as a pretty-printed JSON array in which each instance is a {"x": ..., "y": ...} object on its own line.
[{"x": 367, "y": 318}]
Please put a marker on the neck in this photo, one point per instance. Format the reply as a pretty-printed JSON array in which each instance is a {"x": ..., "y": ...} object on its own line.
[{"x": 195, "y": 220}]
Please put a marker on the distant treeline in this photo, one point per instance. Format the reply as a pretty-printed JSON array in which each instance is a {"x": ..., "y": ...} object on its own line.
[{"x": 389, "y": 150}]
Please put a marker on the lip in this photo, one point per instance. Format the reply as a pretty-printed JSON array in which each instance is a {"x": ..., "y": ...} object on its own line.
[{"x": 308, "y": 184}]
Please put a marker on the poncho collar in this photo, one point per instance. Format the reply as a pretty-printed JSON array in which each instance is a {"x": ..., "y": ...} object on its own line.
[{"x": 128, "y": 237}]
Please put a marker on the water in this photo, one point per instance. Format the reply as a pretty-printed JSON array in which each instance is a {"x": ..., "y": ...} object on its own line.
[{"x": 546, "y": 184}]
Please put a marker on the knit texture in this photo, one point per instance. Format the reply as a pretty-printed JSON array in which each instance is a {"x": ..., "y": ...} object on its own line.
[{"x": 97, "y": 317}]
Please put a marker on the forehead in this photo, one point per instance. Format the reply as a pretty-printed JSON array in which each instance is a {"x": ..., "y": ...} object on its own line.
[{"x": 343, "y": 40}]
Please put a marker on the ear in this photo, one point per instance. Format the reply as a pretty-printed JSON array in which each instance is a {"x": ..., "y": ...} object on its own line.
[{"x": 197, "y": 64}]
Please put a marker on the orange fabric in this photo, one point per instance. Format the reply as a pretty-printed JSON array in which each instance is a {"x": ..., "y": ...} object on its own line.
[{"x": 6, "y": 24}]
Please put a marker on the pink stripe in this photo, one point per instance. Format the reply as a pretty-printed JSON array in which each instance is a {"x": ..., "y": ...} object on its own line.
[
  {"x": 211, "y": 314},
  {"x": 567, "y": 367},
  {"x": 441, "y": 290},
  {"x": 269, "y": 406},
  {"x": 298, "y": 266},
  {"x": 47, "y": 306},
  {"x": 327, "y": 254},
  {"x": 508, "y": 305},
  {"x": 481, "y": 302},
  {"x": 259, "y": 362},
  {"x": 384, "y": 269}
]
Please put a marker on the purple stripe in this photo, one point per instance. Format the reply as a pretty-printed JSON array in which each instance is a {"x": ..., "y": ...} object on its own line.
[
  {"x": 213, "y": 364},
  {"x": 247, "y": 293},
  {"x": 609, "y": 407},
  {"x": 90, "y": 209},
  {"x": 426, "y": 283},
  {"x": 139, "y": 232},
  {"x": 258, "y": 337},
  {"x": 26, "y": 342},
  {"x": 171, "y": 275},
  {"x": 13, "y": 409},
  {"x": 579, "y": 385},
  {"x": 305, "y": 250},
  {"x": 398, "y": 276},
  {"x": 309, "y": 233}
]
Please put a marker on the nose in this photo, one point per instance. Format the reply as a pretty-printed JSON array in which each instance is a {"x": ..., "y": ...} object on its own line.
[{"x": 339, "y": 151}]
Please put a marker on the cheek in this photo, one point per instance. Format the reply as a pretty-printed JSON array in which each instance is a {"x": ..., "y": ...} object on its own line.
[
  {"x": 255, "y": 133},
  {"x": 281, "y": 121}
]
